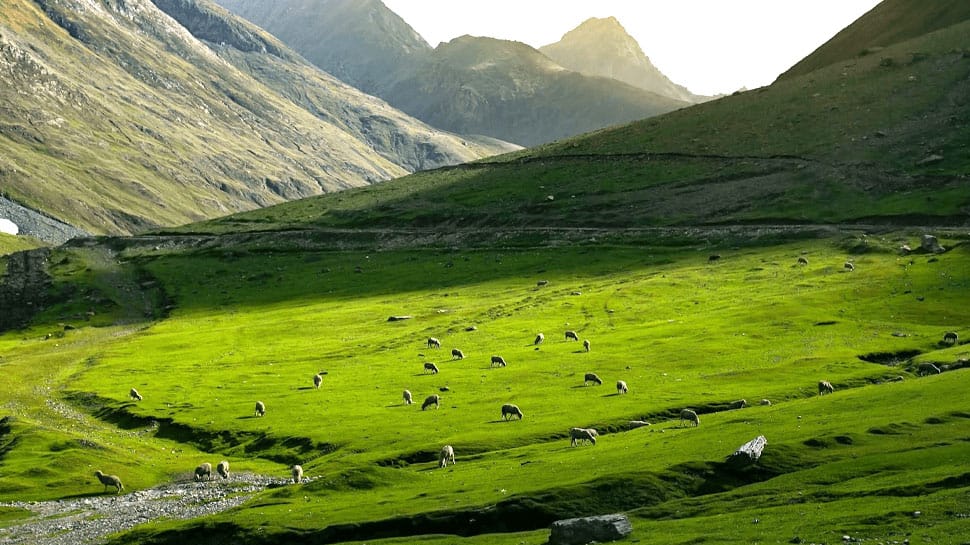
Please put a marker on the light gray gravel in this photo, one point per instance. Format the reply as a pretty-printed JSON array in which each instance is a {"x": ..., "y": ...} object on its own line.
[
  {"x": 88, "y": 521},
  {"x": 38, "y": 225}
]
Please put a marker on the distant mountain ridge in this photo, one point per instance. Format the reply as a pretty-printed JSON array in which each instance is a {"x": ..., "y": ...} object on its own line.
[
  {"x": 157, "y": 113},
  {"x": 366, "y": 44},
  {"x": 602, "y": 47}
]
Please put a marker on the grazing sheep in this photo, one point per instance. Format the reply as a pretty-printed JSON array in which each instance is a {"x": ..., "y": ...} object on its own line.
[
  {"x": 134, "y": 395},
  {"x": 297, "y": 471},
  {"x": 222, "y": 468},
  {"x": 260, "y": 408},
  {"x": 109, "y": 480},
  {"x": 317, "y": 381},
  {"x": 739, "y": 404},
  {"x": 498, "y": 360},
  {"x": 825, "y": 386},
  {"x": 433, "y": 343},
  {"x": 539, "y": 338},
  {"x": 509, "y": 410},
  {"x": 433, "y": 399},
  {"x": 457, "y": 354},
  {"x": 950, "y": 337},
  {"x": 621, "y": 387},
  {"x": 689, "y": 416},
  {"x": 203, "y": 471},
  {"x": 407, "y": 397},
  {"x": 927, "y": 369},
  {"x": 802, "y": 261},
  {"x": 572, "y": 335},
  {"x": 586, "y": 345},
  {"x": 578, "y": 435},
  {"x": 591, "y": 377},
  {"x": 766, "y": 402},
  {"x": 447, "y": 453},
  {"x": 428, "y": 366},
  {"x": 849, "y": 266}
]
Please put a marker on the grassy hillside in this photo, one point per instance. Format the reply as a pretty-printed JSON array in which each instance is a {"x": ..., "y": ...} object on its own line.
[
  {"x": 873, "y": 140},
  {"x": 256, "y": 321},
  {"x": 889, "y": 23}
]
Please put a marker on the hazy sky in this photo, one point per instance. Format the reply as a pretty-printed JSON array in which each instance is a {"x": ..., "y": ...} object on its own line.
[{"x": 711, "y": 46}]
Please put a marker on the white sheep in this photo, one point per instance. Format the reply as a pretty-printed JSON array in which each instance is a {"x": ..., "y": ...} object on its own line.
[
  {"x": 260, "y": 408},
  {"x": 457, "y": 354},
  {"x": 134, "y": 394},
  {"x": 586, "y": 345},
  {"x": 222, "y": 468},
  {"x": 825, "y": 387},
  {"x": 431, "y": 367},
  {"x": 803, "y": 261},
  {"x": 766, "y": 402},
  {"x": 447, "y": 453},
  {"x": 509, "y": 410},
  {"x": 689, "y": 416},
  {"x": 621, "y": 387},
  {"x": 317, "y": 381},
  {"x": 539, "y": 338},
  {"x": 578, "y": 435},
  {"x": 297, "y": 472},
  {"x": 433, "y": 343},
  {"x": 848, "y": 266},
  {"x": 592, "y": 377},
  {"x": 407, "y": 397},
  {"x": 571, "y": 335},
  {"x": 498, "y": 360},
  {"x": 433, "y": 399},
  {"x": 109, "y": 480}
]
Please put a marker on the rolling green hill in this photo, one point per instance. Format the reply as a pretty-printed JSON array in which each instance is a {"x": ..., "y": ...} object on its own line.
[{"x": 153, "y": 114}]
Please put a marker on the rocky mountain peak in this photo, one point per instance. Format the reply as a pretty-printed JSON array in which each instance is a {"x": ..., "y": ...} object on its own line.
[{"x": 602, "y": 47}]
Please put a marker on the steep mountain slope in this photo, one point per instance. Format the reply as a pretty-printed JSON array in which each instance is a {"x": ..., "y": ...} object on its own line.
[
  {"x": 505, "y": 90},
  {"x": 509, "y": 90},
  {"x": 890, "y": 22},
  {"x": 881, "y": 138},
  {"x": 359, "y": 41},
  {"x": 602, "y": 47},
  {"x": 130, "y": 108}
]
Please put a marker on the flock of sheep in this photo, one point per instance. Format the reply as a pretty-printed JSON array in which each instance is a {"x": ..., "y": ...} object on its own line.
[{"x": 508, "y": 410}]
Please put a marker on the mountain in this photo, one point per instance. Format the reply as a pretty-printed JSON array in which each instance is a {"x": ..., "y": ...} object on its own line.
[
  {"x": 361, "y": 42},
  {"x": 506, "y": 90},
  {"x": 509, "y": 90},
  {"x": 875, "y": 139},
  {"x": 120, "y": 116},
  {"x": 602, "y": 47},
  {"x": 889, "y": 23}
]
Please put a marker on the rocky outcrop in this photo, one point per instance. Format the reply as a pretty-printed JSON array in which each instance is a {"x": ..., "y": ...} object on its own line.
[
  {"x": 24, "y": 288},
  {"x": 580, "y": 531}
]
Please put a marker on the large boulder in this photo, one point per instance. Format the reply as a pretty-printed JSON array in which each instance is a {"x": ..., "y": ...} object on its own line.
[
  {"x": 930, "y": 244},
  {"x": 580, "y": 531}
]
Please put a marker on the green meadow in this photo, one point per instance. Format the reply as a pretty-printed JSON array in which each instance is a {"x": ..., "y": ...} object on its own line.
[{"x": 203, "y": 334}]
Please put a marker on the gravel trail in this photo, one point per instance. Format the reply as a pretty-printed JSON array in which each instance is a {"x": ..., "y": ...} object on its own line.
[{"x": 89, "y": 520}]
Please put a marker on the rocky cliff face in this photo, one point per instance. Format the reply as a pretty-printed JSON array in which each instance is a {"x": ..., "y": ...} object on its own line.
[{"x": 602, "y": 47}]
